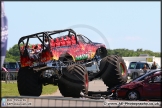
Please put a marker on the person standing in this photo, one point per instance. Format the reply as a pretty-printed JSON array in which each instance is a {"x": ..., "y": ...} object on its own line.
[
  {"x": 145, "y": 68},
  {"x": 154, "y": 66}
]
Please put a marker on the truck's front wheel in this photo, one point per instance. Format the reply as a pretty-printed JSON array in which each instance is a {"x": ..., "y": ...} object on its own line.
[
  {"x": 28, "y": 82},
  {"x": 73, "y": 81},
  {"x": 114, "y": 70}
]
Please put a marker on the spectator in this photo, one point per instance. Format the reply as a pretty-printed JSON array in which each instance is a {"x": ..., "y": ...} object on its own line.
[
  {"x": 154, "y": 66},
  {"x": 145, "y": 68}
]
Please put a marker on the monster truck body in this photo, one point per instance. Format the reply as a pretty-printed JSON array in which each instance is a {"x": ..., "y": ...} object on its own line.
[
  {"x": 69, "y": 47},
  {"x": 64, "y": 61}
]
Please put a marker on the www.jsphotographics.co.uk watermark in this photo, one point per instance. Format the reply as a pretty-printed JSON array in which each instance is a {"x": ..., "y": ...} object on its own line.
[{"x": 132, "y": 104}]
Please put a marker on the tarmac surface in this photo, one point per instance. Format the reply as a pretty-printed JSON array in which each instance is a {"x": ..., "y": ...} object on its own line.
[{"x": 96, "y": 85}]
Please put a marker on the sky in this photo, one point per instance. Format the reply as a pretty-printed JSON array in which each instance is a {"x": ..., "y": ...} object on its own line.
[{"x": 130, "y": 25}]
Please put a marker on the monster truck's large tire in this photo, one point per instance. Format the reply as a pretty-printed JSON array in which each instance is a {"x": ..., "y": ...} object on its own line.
[
  {"x": 73, "y": 81},
  {"x": 114, "y": 70},
  {"x": 28, "y": 82}
]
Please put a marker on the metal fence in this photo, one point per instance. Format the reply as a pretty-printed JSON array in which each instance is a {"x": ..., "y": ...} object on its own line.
[
  {"x": 58, "y": 101},
  {"x": 9, "y": 77},
  {"x": 50, "y": 101}
]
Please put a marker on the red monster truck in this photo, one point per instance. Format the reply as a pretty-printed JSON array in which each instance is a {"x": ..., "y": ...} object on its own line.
[{"x": 65, "y": 61}]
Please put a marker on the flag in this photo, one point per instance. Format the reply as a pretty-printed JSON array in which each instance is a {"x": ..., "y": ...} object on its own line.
[{"x": 4, "y": 33}]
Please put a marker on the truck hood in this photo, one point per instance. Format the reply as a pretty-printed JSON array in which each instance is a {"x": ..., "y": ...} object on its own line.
[{"x": 98, "y": 44}]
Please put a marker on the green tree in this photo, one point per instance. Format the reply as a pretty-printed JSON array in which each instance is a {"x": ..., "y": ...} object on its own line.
[
  {"x": 13, "y": 53},
  {"x": 9, "y": 60},
  {"x": 131, "y": 53}
]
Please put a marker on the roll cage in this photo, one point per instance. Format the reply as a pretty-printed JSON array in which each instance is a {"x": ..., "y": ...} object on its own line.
[{"x": 46, "y": 34}]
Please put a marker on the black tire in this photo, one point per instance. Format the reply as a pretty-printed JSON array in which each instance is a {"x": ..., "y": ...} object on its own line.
[
  {"x": 101, "y": 52},
  {"x": 73, "y": 81},
  {"x": 28, "y": 82},
  {"x": 133, "y": 95},
  {"x": 110, "y": 67}
]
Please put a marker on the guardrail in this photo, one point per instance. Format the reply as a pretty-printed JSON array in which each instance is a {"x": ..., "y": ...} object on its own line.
[
  {"x": 59, "y": 101},
  {"x": 50, "y": 101},
  {"x": 10, "y": 76}
]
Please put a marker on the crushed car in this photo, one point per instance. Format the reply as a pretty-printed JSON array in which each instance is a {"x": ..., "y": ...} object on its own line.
[{"x": 144, "y": 87}]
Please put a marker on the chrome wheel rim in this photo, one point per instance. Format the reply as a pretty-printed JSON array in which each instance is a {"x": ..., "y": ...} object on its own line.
[{"x": 132, "y": 95}]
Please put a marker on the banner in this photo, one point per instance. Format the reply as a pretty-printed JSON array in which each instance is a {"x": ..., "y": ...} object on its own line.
[
  {"x": 149, "y": 59},
  {"x": 4, "y": 33}
]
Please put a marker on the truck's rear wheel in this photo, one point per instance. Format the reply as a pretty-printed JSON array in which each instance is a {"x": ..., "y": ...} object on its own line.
[
  {"x": 114, "y": 70},
  {"x": 28, "y": 82},
  {"x": 73, "y": 81}
]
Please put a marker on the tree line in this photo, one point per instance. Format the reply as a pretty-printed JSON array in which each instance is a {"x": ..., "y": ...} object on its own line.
[{"x": 13, "y": 53}]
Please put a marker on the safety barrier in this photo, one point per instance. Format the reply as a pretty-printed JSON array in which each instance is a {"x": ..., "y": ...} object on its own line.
[
  {"x": 50, "y": 101},
  {"x": 8, "y": 77},
  {"x": 59, "y": 101}
]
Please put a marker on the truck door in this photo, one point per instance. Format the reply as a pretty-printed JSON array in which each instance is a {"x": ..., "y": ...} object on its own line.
[{"x": 86, "y": 48}]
